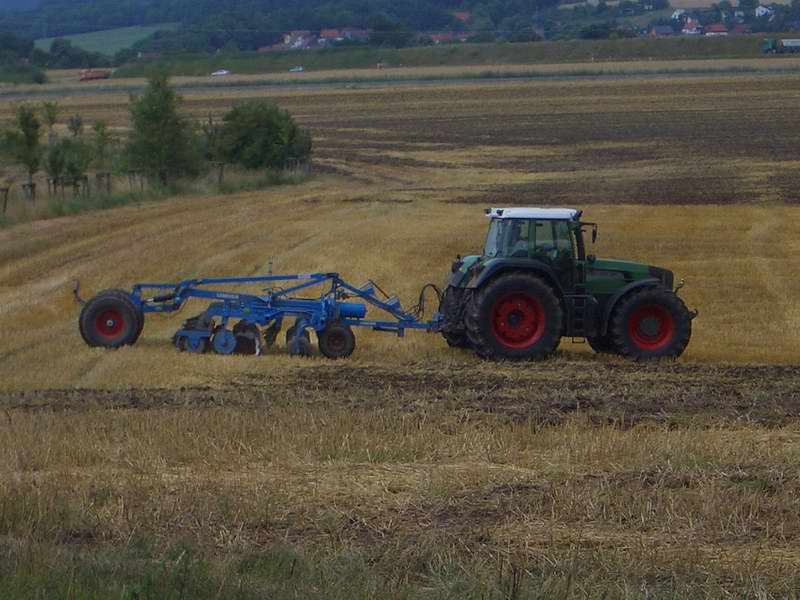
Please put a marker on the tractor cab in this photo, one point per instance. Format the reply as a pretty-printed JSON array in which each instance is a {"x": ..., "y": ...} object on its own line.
[
  {"x": 551, "y": 236},
  {"x": 535, "y": 283}
]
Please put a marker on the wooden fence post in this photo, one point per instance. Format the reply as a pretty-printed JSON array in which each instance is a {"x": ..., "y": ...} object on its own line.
[
  {"x": 104, "y": 181},
  {"x": 220, "y": 167},
  {"x": 29, "y": 190}
]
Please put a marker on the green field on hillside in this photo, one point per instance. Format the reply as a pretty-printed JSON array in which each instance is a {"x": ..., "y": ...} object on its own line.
[
  {"x": 458, "y": 54},
  {"x": 108, "y": 41}
]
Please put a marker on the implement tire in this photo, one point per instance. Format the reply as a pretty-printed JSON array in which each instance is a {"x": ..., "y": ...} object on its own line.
[
  {"x": 515, "y": 317},
  {"x": 650, "y": 324},
  {"x": 111, "y": 320},
  {"x": 336, "y": 341}
]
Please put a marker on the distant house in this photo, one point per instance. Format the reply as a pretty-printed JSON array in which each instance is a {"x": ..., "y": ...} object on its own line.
[
  {"x": 464, "y": 16},
  {"x": 692, "y": 27},
  {"x": 716, "y": 30},
  {"x": 299, "y": 40},
  {"x": 661, "y": 31},
  {"x": 329, "y": 36},
  {"x": 678, "y": 14},
  {"x": 764, "y": 11}
]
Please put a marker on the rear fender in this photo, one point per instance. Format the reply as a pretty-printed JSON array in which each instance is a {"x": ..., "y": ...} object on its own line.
[
  {"x": 614, "y": 300},
  {"x": 516, "y": 265}
]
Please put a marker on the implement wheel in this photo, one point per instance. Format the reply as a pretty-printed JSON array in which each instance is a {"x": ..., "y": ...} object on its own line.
[
  {"x": 515, "y": 317},
  {"x": 337, "y": 340},
  {"x": 111, "y": 320},
  {"x": 650, "y": 324}
]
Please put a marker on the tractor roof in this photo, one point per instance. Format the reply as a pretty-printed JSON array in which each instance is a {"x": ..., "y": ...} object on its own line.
[{"x": 569, "y": 214}]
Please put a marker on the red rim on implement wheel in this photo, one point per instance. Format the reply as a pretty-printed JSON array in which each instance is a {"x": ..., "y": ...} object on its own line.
[
  {"x": 518, "y": 320},
  {"x": 109, "y": 323},
  {"x": 651, "y": 327}
]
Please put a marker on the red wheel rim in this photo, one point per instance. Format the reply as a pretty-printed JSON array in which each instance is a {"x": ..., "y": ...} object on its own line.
[
  {"x": 109, "y": 323},
  {"x": 518, "y": 320},
  {"x": 651, "y": 327}
]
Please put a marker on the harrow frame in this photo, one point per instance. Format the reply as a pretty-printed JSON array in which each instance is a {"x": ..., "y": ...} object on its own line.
[{"x": 279, "y": 301}]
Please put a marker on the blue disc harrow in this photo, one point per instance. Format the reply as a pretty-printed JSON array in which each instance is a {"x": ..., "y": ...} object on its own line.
[{"x": 245, "y": 323}]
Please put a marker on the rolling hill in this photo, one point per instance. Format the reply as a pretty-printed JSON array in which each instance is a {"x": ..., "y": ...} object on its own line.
[{"x": 110, "y": 41}]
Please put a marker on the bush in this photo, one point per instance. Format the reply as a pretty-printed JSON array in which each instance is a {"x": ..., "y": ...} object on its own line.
[{"x": 258, "y": 134}]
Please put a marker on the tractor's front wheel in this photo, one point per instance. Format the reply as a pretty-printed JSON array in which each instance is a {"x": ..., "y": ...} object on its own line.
[
  {"x": 515, "y": 317},
  {"x": 650, "y": 324}
]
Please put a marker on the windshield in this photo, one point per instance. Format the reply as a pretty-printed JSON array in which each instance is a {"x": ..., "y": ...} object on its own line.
[{"x": 527, "y": 238}]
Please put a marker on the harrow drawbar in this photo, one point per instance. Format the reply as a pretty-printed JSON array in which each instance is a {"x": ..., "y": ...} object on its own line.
[{"x": 236, "y": 322}]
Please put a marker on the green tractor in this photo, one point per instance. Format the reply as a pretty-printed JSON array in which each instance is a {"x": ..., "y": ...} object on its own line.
[{"x": 535, "y": 283}]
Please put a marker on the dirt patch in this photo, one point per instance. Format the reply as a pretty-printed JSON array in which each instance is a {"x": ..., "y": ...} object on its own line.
[{"x": 543, "y": 393}]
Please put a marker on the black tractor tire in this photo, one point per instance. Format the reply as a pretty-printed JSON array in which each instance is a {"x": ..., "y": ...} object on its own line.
[
  {"x": 650, "y": 324},
  {"x": 337, "y": 340},
  {"x": 111, "y": 320},
  {"x": 602, "y": 344},
  {"x": 454, "y": 330},
  {"x": 298, "y": 344},
  {"x": 514, "y": 317}
]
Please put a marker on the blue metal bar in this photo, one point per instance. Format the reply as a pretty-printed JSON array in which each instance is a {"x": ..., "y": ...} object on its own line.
[{"x": 262, "y": 310}]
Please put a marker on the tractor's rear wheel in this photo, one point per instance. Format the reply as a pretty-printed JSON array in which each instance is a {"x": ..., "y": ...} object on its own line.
[
  {"x": 453, "y": 305},
  {"x": 336, "y": 340},
  {"x": 515, "y": 317},
  {"x": 111, "y": 320},
  {"x": 650, "y": 324}
]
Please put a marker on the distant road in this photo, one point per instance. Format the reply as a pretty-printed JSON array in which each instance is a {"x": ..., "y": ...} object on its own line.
[{"x": 64, "y": 83}]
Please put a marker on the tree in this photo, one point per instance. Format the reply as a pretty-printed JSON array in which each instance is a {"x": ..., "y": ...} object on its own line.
[
  {"x": 258, "y": 134},
  {"x": 50, "y": 114},
  {"x": 162, "y": 142},
  {"x": 77, "y": 158},
  {"x": 103, "y": 139},
  {"x": 22, "y": 143},
  {"x": 54, "y": 163}
]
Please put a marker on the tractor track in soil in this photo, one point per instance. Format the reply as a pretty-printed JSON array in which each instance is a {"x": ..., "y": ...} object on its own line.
[{"x": 609, "y": 392}]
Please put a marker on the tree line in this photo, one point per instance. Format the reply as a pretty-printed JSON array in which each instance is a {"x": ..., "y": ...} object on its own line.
[
  {"x": 249, "y": 24},
  {"x": 163, "y": 145},
  {"x": 22, "y": 62}
]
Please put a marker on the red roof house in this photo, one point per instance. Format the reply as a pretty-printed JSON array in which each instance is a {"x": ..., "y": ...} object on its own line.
[{"x": 717, "y": 29}]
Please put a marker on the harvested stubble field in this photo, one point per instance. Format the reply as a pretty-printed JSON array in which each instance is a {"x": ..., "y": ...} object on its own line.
[{"x": 414, "y": 470}]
